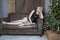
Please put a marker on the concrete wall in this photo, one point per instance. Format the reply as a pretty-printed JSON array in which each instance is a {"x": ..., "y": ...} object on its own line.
[
  {"x": 1, "y": 14},
  {"x": 46, "y": 6},
  {"x": 3, "y": 8}
]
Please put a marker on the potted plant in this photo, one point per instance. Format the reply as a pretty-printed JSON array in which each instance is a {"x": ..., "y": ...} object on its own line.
[{"x": 52, "y": 21}]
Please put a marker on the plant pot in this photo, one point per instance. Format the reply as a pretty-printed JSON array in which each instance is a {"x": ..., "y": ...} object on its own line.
[{"x": 52, "y": 35}]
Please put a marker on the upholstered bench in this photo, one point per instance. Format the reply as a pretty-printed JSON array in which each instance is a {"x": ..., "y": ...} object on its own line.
[{"x": 27, "y": 29}]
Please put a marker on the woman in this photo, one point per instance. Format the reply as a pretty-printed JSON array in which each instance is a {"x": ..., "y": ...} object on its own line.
[
  {"x": 35, "y": 14},
  {"x": 32, "y": 19}
]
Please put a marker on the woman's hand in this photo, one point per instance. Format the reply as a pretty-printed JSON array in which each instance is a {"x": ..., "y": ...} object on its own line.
[{"x": 32, "y": 23}]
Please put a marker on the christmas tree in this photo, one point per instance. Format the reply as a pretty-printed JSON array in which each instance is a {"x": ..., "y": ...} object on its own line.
[{"x": 52, "y": 18}]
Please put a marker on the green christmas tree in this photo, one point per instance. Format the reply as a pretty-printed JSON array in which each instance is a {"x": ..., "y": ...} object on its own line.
[{"x": 52, "y": 18}]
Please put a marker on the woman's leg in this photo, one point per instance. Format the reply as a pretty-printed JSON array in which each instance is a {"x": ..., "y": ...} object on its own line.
[
  {"x": 17, "y": 22},
  {"x": 13, "y": 23}
]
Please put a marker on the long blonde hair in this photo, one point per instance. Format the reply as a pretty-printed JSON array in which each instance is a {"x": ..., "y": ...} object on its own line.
[{"x": 39, "y": 10}]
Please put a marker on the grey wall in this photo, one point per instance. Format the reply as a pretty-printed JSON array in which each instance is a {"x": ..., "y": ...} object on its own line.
[
  {"x": 3, "y": 8},
  {"x": 46, "y": 6}
]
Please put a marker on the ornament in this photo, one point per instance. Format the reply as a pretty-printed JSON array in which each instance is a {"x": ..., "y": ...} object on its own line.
[
  {"x": 51, "y": 4},
  {"x": 47, "y": 22},
  {"x": 49, "y": 12},
  {"x": 56, "y": 3},
  {"x": 58, "y": 29},
  {"x": 57, "y": 0}
]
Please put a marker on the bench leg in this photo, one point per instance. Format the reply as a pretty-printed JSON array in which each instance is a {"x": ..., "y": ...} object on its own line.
[
  {"x": 42, "y": 33},
  {"x": 0, "y": 34}
]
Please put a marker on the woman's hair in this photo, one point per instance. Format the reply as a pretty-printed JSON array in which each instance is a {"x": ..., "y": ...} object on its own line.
[{"x": 40, "y": 8}]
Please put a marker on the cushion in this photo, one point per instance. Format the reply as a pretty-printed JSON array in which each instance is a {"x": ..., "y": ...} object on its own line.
[{"x": 19, "y": 27}]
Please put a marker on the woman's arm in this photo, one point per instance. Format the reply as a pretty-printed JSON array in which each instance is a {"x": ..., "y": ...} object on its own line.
[
  {"x": 30, "y": 16},
  {"x": 41, "y": 15}
]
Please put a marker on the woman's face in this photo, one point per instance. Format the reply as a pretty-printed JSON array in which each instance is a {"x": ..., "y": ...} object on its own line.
[{"x": 39, "y": 9}]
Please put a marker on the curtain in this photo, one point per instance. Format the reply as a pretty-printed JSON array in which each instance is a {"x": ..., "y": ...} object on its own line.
[
  {"x": 11, "y": 6},
  {"x": 26, "y": 6}
]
